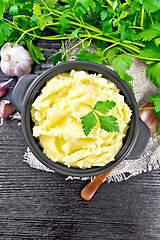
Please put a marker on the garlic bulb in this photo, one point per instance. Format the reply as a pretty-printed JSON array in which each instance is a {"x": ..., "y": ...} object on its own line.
[{"x": 15, "y": 61}]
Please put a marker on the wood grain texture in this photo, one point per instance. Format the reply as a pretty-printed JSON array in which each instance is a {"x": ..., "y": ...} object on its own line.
[{"x": 39, "y": 205}]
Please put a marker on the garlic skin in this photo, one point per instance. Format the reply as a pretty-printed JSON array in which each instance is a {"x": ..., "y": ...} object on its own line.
[
  {"x": 3, "y": 87},
  {"x": 6, "y": 109},
  {"x": 15, "y": 61}
]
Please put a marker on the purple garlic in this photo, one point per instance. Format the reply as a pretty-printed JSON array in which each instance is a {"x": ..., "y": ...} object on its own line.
[
  {"x": 3, "y": 87},
  {"x": 6, "y": 109}
]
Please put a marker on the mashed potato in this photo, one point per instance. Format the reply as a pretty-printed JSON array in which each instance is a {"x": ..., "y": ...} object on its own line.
[{"x": 56, "y": 113}]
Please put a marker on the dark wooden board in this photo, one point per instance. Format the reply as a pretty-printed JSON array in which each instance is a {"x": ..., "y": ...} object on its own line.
[{"x": 39, "y": 205}]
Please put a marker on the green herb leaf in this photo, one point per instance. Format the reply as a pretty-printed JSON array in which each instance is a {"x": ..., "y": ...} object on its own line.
[
  {"x": 88, "y": 56},
  {"x": 57, "y": 57},
  {"x": 111, "y": 54},
  {"x": 103, "y": 15},
  {"x": 127, "y": 78},
  {"x": 151, "y": 5},
  {"x": 156, "y": 26},
  {"x": 153, "y": 70},
  {"x": 120, "y": 63},
  {"x": 157, "y": 114},
  {"x": 156, "y": 100},
  {"x": 5, "y": 31},
  {"x": 107, "y": 26},
  {"x": 65, "y": 58},
  {"x": 14, "y": 10},
  {"x": 150, "y": 51},
  {"x": 51, "y": 3},
  {"x": 87, "y": 4},
  {"x": 104, "y": 107},
  {"x": 158, "y": 129},
  {"x": 63, "y": 23},
  {"x": 35, "y": 52},
  {"x": 74, "y": 34},
  {"x": 85, "y": 44},
  {"x": 157, "y": 41},
  {"x": 108, "y": 123},
  {"x": 88, "y": 121},
  {"x": 42, "y": 21},
  {"x": 148, "y": 34}
]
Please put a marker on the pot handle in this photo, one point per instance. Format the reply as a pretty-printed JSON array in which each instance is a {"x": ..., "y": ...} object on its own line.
[
  {"x": 141, "y": 142},
  {"x": 20, "y": 90}
]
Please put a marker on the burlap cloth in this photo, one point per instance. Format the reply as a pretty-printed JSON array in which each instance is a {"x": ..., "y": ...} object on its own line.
[{"x": 143, "y": 87}]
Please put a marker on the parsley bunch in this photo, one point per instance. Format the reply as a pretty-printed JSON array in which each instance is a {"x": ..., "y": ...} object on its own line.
[
  {"x": 118, "y": 30},
  {"x": 108, "y": 123}
]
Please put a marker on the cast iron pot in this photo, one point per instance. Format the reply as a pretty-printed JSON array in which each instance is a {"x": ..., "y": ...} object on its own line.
[{"x": 28, "y": 88}]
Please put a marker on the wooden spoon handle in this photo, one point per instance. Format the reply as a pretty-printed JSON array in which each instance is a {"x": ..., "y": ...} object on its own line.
[{"x": 89, "y": 190}]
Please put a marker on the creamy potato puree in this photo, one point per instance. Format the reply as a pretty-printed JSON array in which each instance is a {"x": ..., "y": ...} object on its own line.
[{"x": 56, "y": 113}]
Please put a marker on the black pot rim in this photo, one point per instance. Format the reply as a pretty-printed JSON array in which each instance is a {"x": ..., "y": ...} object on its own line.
[{"x": 92, "y": 67}]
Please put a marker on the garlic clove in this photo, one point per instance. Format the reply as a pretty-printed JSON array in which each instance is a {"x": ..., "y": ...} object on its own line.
[
  {"x": 3, "y": 87},
  {"x": 6, "y": 109},
  {"x": 15, "y": 61}
]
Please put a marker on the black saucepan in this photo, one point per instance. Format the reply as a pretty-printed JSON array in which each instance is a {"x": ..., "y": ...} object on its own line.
[{"x": 29, "y": 86}]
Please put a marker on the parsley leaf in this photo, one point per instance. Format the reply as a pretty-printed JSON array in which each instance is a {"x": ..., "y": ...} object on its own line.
[
  {"x": 158, "y": 129},
  {"x": 157, "y": 114},
  {"x": 5, "y": 31},
  {"x": 103, "y": 15},
  {"x": 42, "y": 21},
  {"x": 65, "y": 58},
  {"x": 157, "y": 41},
  {"x": 51, "y": 3},
  {"x": 87, "y": 4},
  {"x": 153, "y": 70},
  {"x": 151, "y": 5},
  {"x": 156, "y": 26},
  {"x": 107, "y": 26},
  {"x": 88, "y": 56},
  {"x": 14, "y": 10},
  {"x": 148, "y": 34},
  {"x": 150, "y": 51},
  {"x": 74, "y": 34},
  {"x": 120, "y": 63},
  {"x": 108, "y": 123},
  {"x": 35, "y": 52},
  {"x": 63, "y": 23},
  {"x": 57, "y": 57},
  {"x": 111, "y": 54},
  {"x": 104, "y": 107},
  {"x": 156, "y": 100},
  {"x": 88, "y": 121}
]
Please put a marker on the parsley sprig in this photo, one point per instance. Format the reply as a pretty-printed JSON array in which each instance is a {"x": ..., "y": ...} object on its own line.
[
  {"x": 118, "y": 29},
  {"x": 108, "y": 123}
]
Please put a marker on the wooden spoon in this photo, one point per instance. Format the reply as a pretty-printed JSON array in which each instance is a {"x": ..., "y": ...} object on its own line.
[{"x": 149, "y": 117}]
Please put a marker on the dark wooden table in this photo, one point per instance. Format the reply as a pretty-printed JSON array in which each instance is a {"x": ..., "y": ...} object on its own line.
[{"x": 39, "y": 205}]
